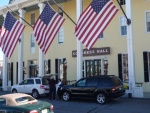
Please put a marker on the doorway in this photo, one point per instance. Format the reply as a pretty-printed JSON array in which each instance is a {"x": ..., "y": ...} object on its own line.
[{"x": 93, "y": 67}]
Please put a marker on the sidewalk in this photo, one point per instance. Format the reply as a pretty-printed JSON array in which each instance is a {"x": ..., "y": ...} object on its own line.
[{"x": 4, "y": 92}]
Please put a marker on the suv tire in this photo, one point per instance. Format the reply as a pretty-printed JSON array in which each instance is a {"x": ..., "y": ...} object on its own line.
[
  {"x": 101, "y": 98},
  {"x": 35, "y": 94},
  {"x": 14, "y": 91},
  {"x": 66, "y": 96}
]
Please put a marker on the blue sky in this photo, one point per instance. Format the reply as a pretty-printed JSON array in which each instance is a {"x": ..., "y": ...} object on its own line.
[{"x": 2, "y": 3}]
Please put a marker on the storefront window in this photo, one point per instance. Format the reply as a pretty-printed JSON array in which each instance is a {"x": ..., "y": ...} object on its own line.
[{"x": 123, "y": 67}]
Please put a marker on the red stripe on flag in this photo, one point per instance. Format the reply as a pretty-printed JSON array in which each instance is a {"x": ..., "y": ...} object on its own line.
[{"x": 90, "y": 25}]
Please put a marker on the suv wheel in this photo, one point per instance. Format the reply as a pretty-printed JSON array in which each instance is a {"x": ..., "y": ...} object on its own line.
[
  {"x": 66, "y": 96},
  {"x": 14, "y": 91},
  {"x": 101, "y": 98},
  {"x": 35, "y": 94}
]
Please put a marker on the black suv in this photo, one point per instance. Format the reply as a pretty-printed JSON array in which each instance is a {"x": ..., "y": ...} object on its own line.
[{"x": 100, "y": 87}]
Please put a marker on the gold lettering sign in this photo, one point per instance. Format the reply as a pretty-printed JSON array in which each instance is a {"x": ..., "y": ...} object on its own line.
[{"x": 93, "y": 52}]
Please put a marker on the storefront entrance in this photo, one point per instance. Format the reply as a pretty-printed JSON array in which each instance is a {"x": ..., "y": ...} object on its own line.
[{"x": 93, "y": 67}]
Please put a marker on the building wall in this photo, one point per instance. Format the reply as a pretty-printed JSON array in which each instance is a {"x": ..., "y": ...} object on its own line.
[{"x": 112, "y": 39}]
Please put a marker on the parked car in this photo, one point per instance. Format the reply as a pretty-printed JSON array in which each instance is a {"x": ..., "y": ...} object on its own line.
[
  {"x": 101, "y": 88},
  {"x": 23, "y": 103},
  {"x": 35, "y": 86}
]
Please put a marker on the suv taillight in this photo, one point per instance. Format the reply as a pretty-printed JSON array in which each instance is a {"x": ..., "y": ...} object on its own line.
[
  {"x": 114, "y": 89},
  {"x": 41, "y": 87},
  {"x": 33, "y": 111}
]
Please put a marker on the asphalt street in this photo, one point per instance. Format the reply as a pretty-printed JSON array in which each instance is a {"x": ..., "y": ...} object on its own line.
[{"x": 121, "y": 105}]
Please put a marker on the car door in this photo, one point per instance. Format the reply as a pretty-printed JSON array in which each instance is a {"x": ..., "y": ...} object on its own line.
[
  {"x": 79, "y": 88},
  {"x": 29, "y": 85},
  {"x": 21, "y": 86},
  {"x": 91, "y": 86}
]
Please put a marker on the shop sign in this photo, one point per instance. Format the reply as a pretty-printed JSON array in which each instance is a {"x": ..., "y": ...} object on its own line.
[{"x": 93, "y": 52}]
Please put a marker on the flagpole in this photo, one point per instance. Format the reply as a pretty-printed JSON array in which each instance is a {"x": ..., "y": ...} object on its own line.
[
  {"x": 64, "y": 12},
  {"x": 128, "y": 20},
  {"x": 20, "y": 17}
]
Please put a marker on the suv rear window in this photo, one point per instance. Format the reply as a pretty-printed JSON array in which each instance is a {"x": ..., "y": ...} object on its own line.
[
  {"x": 116, "y": 81},
  {"x": 38, "y": 81}
]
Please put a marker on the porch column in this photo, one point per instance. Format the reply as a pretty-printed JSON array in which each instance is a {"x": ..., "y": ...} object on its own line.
[
  {"x": 4, "y": 78},
  {"x": 130, "y": 48},
  {"x": 20, "y": 49},
  {"x": 79, "y": 44},
  {"x": 41, "y": 54}
]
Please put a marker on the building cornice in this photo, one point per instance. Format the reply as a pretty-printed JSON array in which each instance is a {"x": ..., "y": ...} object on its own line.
[{"x": 19, "y": 4}]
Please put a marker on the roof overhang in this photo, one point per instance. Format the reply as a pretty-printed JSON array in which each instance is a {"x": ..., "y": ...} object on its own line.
[{"x": 27, "y": 5}]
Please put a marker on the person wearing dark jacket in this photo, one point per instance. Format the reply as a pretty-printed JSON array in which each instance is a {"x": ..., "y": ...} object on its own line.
[{"x": 52, "y": 86}]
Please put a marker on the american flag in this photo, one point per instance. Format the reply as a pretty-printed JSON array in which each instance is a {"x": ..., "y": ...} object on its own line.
[
  {"x": 93, "y": 21},
  {"x": 46, "y": 27},
  {"x": 10, "y": 34}
]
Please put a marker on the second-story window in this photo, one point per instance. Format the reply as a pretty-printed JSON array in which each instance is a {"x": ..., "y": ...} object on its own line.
[
  {"x": 122, "y": 2},
  {"x": 147, "y": 21},
  {"x": 123, "y": 27},
  {"x": 61, "y": 36},
  {"x": 101, "y": 36},
  {"x": 32, "y": 18},
  {"x": 32, "y": 43}
]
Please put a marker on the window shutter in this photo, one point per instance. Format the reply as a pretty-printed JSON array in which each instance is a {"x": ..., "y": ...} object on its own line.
[
  {"x": 23, "y": 70},
  {"x": 49, "y": 66},
  {"x": 56, "y": 68},
  {"x": 120, "y": 66},
  {"x": 17, "y": 72},
  {"x": 146, "y": 74},
  {"x": 11, "y": 73}
]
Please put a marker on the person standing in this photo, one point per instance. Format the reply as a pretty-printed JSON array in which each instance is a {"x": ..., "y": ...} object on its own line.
[
  {"x": 52, "y": 86},
  {"x": 58, "y": 90}
]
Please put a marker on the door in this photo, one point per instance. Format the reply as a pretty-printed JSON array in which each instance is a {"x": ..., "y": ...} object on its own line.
[
  {"x": 33, "y": 71},
  {"x": 28, "y": 86},
  {"x": 93, "y": 67},
  {"x": 21, "y": 86},
  {"x": 91, "y": 86},
  {"x": 79, "y": 88}
]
